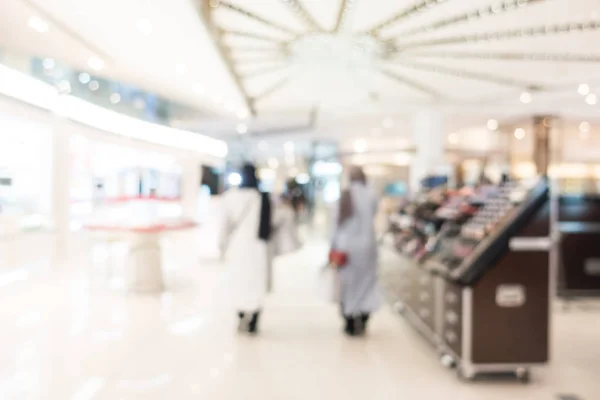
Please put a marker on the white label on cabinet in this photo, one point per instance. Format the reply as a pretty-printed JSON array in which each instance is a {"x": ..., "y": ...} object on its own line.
[
  {"x": 592, "y": 266},
  {"x": 530, "y": 244},
  {"x": 509, "y": 296}
]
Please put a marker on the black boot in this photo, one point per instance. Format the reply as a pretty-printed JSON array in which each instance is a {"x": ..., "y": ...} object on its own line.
[
  {"x": 365, "y": 321},
  {"x": 354, "y": 326},
  {"x": 349, "y": 326},
  {"x": 243, "y": 322},
  {"x": 359, "y": 325},
  {"x": 253, "y": 324}
]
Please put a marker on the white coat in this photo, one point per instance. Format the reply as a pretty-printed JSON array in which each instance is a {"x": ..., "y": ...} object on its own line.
[
  {"x": 245, "y": 253},
  {"x": 360, "y": 292}
]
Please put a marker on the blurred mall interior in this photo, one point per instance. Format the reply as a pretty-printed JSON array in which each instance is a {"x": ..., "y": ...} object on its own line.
[{"x": 123, "y": 124}]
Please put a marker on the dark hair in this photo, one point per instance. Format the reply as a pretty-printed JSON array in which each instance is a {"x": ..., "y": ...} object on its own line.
[
  {"x": 249, "y": 179},
  {"x": 357, "y": 174}
]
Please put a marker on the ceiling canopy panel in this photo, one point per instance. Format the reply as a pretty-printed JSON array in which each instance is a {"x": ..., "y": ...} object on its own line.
[
  {"x": 456, "y": 85},
  {"x": 354, "y": 53}
]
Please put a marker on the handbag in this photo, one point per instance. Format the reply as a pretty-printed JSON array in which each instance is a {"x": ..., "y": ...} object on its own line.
[
  {"x": 337, "y": 258},
  {"x": 329, "y": 285}
]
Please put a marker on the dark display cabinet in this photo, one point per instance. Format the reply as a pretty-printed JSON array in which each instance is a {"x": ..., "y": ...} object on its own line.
[
  {"x": 579, "y": 248},
  {"x": 481, "y": 295}
]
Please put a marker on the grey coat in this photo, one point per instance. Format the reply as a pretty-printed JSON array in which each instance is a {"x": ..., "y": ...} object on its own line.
[{"x": 356, "y": 236}]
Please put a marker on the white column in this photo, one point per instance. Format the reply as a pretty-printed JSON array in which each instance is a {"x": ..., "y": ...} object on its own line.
[
  {"x": 190, "y": 184},
  {"x": 61, "y": 199},
  {"x": 429, "y": 140}
]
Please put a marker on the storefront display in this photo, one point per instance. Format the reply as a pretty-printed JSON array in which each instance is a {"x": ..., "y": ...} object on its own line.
[
  {"x": 111, "y": 182},
  {"x": 25, "y": 188},
  {"x": 475, "y": 276}
]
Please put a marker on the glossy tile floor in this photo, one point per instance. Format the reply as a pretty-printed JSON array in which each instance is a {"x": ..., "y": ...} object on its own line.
[{"x": 64, "y": 337}]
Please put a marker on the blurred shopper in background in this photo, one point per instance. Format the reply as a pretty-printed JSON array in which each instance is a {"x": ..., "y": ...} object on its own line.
[
  {"x": 297, "y": 198},
  {"x": 284, "y": 235},
  {"x": 355, "y": 235},
  {"x": 285, "y": 229},
  {"x": 245, "y": 233}
]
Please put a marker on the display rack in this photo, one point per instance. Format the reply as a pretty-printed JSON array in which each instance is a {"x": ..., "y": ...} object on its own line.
[
  {"x": 488, "y": 311},
  {"x": 579, "y": 249}
]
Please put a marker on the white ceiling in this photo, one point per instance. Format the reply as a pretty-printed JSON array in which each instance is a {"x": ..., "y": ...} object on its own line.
[
  {"x": 108, "y": 29},
  {"x": 424, "y": 74},
  {"x": 458, "y": 77}
]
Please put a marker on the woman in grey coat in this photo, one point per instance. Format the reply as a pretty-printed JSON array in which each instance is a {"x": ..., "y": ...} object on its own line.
[{"x": 355, "y": 235}]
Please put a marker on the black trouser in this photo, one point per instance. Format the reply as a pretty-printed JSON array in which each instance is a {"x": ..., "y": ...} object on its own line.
[{"x": 253, "y": 322}]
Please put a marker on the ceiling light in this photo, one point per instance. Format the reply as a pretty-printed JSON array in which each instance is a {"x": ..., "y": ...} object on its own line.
[
  {"x": 585, "y": 126},
  {"x": 302, "y": 179},
  {"x": 519, "y": 133},
  {"x": 241, "y": 128},
  {"x": 96, "y": 63},
  {"x": 591, "y": 99},
  {"x": 492, "y": 124},
  {"x": 84, "y": 78},
  {"x": 242, "y": 113},
  {"x": 144, "y": 26},
  {"x": 48, "y": 63},
  {"x": 181, "y": 69},
  {"x": 94, "y": 85},
  {"x": 360, "y": 145},
  {"x": 273, "y": 163},
  {"x": 526, "y": 98},
  {"x": 453, "y": 138},
  {"x": 583, "y": 89},
  {"x": 234, "y": 179},
  {"x": 115, "y": 98},
  {"x": 38, "y": 24},
  {"x": 388, "y": 123},
  {"x": 289, "y": 147}
]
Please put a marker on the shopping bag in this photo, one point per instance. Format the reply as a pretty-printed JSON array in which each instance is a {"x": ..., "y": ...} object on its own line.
[
  {"x": 329, "y": 284},
  {"x": 337, "y": 258}
]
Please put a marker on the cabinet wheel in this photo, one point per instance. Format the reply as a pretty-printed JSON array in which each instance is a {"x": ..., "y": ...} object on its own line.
[
  {"x": 399, "y": 307},
  {"x": 448, "y": 361},
  {"x": 523, "y": 375}
]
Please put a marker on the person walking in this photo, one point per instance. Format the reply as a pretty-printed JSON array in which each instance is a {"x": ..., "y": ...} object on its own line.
[
  {"x": 285, "y": 228},
  {"x": 354, "y": 235},
  {"x": 245, "y": 233},
  {"x": 284, "y": 235}
]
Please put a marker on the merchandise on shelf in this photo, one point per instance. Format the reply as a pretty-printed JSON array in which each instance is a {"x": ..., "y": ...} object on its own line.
[
  {"x": 578, "y": 219},
  {"x": 474, "y": 276}
]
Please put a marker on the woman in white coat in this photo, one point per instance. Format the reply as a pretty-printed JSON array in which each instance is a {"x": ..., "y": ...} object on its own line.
[
  {"x": 245, "y": 234},
  {"x": 354, "y": 235}
]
